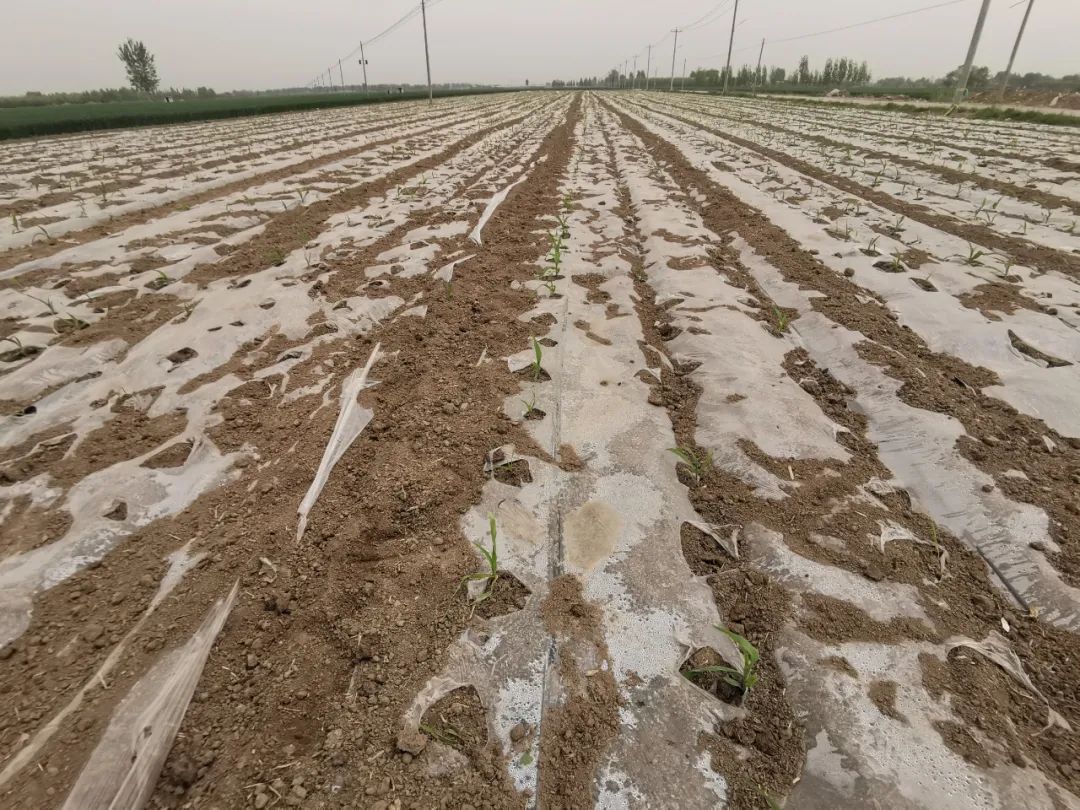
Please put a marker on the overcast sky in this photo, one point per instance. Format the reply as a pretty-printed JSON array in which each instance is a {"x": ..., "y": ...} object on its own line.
[{"x": 52, "y": 45}]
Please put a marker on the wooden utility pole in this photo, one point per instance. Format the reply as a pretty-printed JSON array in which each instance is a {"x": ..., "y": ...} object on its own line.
[
  {"x": 1016, "y": 47},
  {"x": 673, "y": 47},
  {"x": 731, "y": 41},
  {"x": 341, "y": 74},
  {"x": 965, "y": 72},
  {"x": 633, "y": 82},
  {"x": 363, "y": 64},
  {"x": 427, "y": 55},
  {"x": 648, "y": 66},
  {"x": 757, "y": 73}
]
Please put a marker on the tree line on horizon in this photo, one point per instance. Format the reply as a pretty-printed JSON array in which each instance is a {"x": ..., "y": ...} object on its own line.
[{"x": 837, "y": 72}]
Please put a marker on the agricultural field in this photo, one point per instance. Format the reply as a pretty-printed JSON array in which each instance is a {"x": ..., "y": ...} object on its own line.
[
  {"x": 28, "y": 120},
  {"x": 556, "y": 450}
]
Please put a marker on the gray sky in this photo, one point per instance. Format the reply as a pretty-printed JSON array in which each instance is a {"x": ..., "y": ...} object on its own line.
[{"x": 52, "y": 45}]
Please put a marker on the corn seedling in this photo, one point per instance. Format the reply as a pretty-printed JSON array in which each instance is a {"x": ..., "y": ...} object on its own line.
[
  {"x": 555, "y": 256},
  {"x": 871, "y": 249},
  {"x": 43, "y": 302},
  {"x": 491, "y": 576},
  {"x": 69, "y": 323},
  {"x": 1006, "y": 265},
  {"x": 449, "y": 736},
  {"x": 530, "y": 406},
  {"x": 743, "y": 678},
  {"x": 15, "y": 222},
  {"x": 550, "y": 287},
  {"x": 942, "y": 554},
  {"x": 697, "y": 465},
  {"x": 974, "y": 254},
  {"x": 538, "y": 355},
  {"x": 782, "y": 320},
  {"x": 19, "y": 352}
]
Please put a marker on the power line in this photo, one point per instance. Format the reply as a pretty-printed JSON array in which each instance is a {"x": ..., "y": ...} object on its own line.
[
  {"x": 707, "y": 18},
  {"x": 411, "y": 14},
  {"x": 868, "y": 22},
  {"x": 842, "y": 28}
]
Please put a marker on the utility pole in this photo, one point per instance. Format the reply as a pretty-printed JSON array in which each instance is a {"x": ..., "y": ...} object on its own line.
[
  {"x": 427, "y": 56},
  {"x": 341, "y": 74},
  {"x": 330, "y": 77},
  {"x": 633, "y": 82},
  {"x": 673, "y": 47},
  {"x": 683, "y": 88},
  {"x": 757, "y": 73},
  {"x": 648, "y": 66},
  {"x": 1016, "y": 47},
  {"x": 965, "y": 72},
  {"x": 363, "y": 63},
  {"x": 731, "y": 41}
]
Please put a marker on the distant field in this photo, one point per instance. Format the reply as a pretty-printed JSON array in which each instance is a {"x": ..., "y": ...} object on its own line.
[{"x": 23, "y": 122}]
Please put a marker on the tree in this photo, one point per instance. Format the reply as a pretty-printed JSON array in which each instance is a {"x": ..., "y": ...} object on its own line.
[
  {"x": 978, "y": 80},
  {"x": 803, "y": 71},
  {"x": 828, "y": 73},
  {"x": 139, "y": 64},
  {"x": 705, "y": 78},
  {"x": 777, "y": 75}
]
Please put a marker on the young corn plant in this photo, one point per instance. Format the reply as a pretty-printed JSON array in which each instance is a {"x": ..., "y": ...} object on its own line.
[
  {"x": 697, "y": 465},
  {"x": 530, "y": 406},
  {"x": 555, "y": 256},
  {"x": 782, "y": 320},
  {"x": 19, "y": 352},
  {"x": 491, "y": 576},
  {"x": 162, "y": 280},
  {"x": 69, "y": 323},
  {"x": 973, "y": 257},
  {"x": 942, "y": 553},
  {"x": 43, "y": 301},
  {"x": 745, "y": 678},
  {"x": 1006, "y": 266},
  {"x": 276, "y": 256},
  {"x": 447, "y": 736},
  {"x": 538, "y": 356}
]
